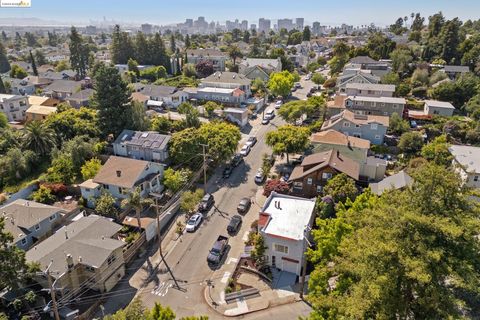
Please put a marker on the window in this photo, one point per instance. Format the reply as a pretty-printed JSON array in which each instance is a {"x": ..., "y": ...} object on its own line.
[
  {"x": 24, "y": 241},
  {"x": 52, "y": 217},
  {"x": 346, "y": 124},
  {"x": 309, "y": 181},
  {"x": 319, "y": 189},
  {"x": 298, "y": 185},
  {"x": 357, "y": 126},
  {"x": 141, "y": 187},
  {"x": 326, "y": 175},
  {"x": 475, "y": 178},
  {"x": 374, "y": 126},
  {"x": 377, "y": 137},
  {"x": 436, "y": 112},
  {"x": 37, "y": 227},
  {"x": 280, "y": 248},
  {"x": 111, "y": 259},
  {"x": 90, "y": 268},
  {"x": 394, "y": 106},
  {"x": 105, "y": 186}
]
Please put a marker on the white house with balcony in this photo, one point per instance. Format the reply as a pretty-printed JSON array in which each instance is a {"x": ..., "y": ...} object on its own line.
[
  {"x": 284, "y": 223},
  {"x": 14, "y": 106},
  {"x": 466, "y": 161}
]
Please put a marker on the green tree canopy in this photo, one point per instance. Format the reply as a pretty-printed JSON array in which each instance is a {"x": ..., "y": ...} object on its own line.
[
  {"x": 411, "y": 142},
  {"x": 288, "y": 139},
  {"x": 281, "y": 83},
  {"x": 341, "y": 187}
]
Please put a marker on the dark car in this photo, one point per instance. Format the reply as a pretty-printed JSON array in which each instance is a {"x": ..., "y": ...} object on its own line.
[
  {"x": 244, "y": 205},
  {"x": 234, "y": 224},
  {"x": 309, "y": 95},
  {"x": 206, "y": 203},
  {"x": 236, "y": 160},
  {"x": 218, "y": 250},
  {"x": 227, "y": 171}
]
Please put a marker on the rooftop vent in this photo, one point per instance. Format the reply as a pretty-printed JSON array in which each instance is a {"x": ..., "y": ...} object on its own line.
[{"x": 119, "y": 173}]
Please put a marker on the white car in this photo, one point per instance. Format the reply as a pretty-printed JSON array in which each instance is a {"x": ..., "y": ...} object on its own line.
[
  {"x": 308, "y": 77},
  {"x": 259, "y": 176},
  {"x": 245, "y": 150},
  {"x": 194, "y": 222},
  {"x": 278, "y": 104}
]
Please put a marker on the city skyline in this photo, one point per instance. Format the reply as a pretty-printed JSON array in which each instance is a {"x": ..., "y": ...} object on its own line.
[{"x": 165, "y": 13}]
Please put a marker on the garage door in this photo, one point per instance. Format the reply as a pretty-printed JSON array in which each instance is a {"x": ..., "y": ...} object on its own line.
[{"x": 289, "y": 265}]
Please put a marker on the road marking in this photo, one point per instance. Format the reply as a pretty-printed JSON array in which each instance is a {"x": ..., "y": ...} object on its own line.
[
  {"x": 245, "y": 235},
  {"x": 222, "y": 297},
  {"x": 232, "y": 260},
  {"x": 242, "y": 306},
  {"x": 162, "y": 289},
  {"x": 225, "y": 277}
]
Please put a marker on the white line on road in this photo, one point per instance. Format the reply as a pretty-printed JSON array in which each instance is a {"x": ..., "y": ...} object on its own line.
[
  {"x": 225, "y": 277},
  {"x": 232, "y": 260},
  {"x": 162, "y": 289}
]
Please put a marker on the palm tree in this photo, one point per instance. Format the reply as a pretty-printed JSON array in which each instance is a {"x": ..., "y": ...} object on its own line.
[
  {"x": 39, "y": 138},
  {"x": 234, "y": 53},
  {"x": 137, "y": 202}
]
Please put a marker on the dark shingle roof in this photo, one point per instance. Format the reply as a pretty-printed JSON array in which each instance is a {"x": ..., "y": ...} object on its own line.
[
  {"x": 64, "y": 86},
  {"x": 148, "y": 139}
]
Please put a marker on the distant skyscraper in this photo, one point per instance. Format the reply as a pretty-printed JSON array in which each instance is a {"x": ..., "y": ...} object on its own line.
[
  {"x": 285, "y": 24},
  {"x": 189, "y": 23},
  {"x": 253, "y": 26},
  {"x": 263, "y": 25},
  {"x": 146, "y": 28},
  {"x": 316, "y": 28},
  {"x": 244, "y": 25},
  {"x": 299, "y": 23}
]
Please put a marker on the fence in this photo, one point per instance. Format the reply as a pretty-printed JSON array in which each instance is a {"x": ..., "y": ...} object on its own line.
[{"x": 21, "y": 194}]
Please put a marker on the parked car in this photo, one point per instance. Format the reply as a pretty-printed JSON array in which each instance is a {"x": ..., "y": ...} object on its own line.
[
  {"x": 278, "y": 104},
  {"x": 234, "y": 224},
  {"x": 244, "y": 205},
  {"x": 265, "y": 121},
  {"x": 251, "y": 141},
  {"x": 236, "y": 160},
  {"x": 308, "y": 77},
  {"x": 245, "y": 150},
  {"x": 259, "y": 176},
  {"x": 298, "y": 85},
  {"x": 227, "y": 171},
  {"x": 194, "y": 222},
  {"x": 309, "y": 94},
  {"x": 218, "y": 249},
  {"x": 206, "y": 203}
]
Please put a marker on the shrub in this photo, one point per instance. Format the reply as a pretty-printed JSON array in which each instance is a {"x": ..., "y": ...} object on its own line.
[
  {"x": 44, "y": 195},
  {"x": 58, "y": 189}
]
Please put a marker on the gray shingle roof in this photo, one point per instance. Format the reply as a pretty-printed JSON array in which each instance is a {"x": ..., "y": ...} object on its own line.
[
  {"x": 227, "y": 77},
  {"x": 88, "y": 239},
  {"x": 396, "y": 181},
  {"x": 82, "y": 95},
  {"x": 205, "y": 53},
  {"x": 64, "y": 86}
]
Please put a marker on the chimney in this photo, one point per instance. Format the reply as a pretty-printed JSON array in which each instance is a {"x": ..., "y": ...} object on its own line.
[
  {"x": 119, "y": 173},
  {"x": 80, "y": 259},
  {"x": 69, "y": 261},
  {"x": 279, "y": 208}
]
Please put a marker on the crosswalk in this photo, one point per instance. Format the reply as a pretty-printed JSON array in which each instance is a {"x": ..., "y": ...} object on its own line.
[{"x": 162, "y": 289}]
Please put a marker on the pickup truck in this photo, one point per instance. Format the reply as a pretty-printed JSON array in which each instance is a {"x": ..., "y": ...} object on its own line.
[{"x": 216, "y": 253}]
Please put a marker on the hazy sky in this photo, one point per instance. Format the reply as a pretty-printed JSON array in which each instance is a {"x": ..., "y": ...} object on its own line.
[{"x": 354, "y": 12}]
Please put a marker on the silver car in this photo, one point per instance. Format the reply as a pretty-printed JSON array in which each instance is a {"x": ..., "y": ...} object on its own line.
[{"x": 194, "y": 222}]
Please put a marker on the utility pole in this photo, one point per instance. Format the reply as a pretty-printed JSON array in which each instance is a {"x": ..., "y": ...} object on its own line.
[
  {"x": 204, "y": 167},
  {"x": 52, "y": 293},
  {"x": 159, "y": 234}
]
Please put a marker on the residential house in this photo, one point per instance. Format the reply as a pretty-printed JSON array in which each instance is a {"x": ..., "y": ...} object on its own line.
[
  {"x": 380, "y": 106},
  {"x": 166, "y": 96},
  {"x": 377, "y": 68},
  {"x": 466, "y": 161},
  {"x": 369, "y": 127},
  {"x": 22, "y": 87},
  {"x": 352, "y": 147},
  {"x": 39, "y": 113},
  {"x": 284, "y": 222},
  {"x": 369, "y": 89},
  {"x": 336, "y": 105},
  {"x": 62, "y": 89},
  {"x": 122, "y": 68},
  {"x": 37, "y": 81},
  {"x": 149, "y": 146},
  {"x": 238, "y": 116},
  {"x": 29, "y": 221},
  {"x": 397, "y": 181},
  {"x": 259, "y": 68},
  {"x": 357, "y": 76},
  {"x": 441, "y": 108},
  {"x": 24, "y": 65},
  {"x": 85, "y": 255},
  {"x": 14, "y": 106},
  {"x": 217, "y": 57},
  {"x": 81, "y": 98},
  {"x": 310, "y": 177},
  {"x": 454, "y": 71},
  {"x": 59, "y": 75},
  {"x": 42, "y": 101},
  {"x": 120, "y": 176}
]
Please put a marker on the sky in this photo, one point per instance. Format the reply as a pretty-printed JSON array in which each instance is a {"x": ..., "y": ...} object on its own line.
[{"x": 163, "y": 12}]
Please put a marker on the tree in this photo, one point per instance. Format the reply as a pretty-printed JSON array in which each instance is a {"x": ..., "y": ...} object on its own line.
[
  {"x": 13, "y": 266},
  {"x": 337, "y": 63},
  {"x": 281, "y": 83},
  {"x": 62, "y": 65},
  {"x": 259, "y": 87},
  {"x": 288, "y": 139},
  {"x": 105, "y": 205},
  {"x": 191, "y": 114},
  {"x": 450, "y": 39},
  {"x": 306, "y": 35},
  {"x": 79, "y": 53},
  {"x": 398, "y": 126},
  {"x": 210, "y": 107},
  {"x": 173, "y": 47},
  {"x": 259, "y": 247},
  {"x": 122, "y": 47},
  {"x": 140, "y": 120},
  {"x": 39, "y": 138},
  {"x": 91, "y": 168},
  {"x": 189, "y": 70},
  {"x": 435, "y": 24},
  {"x": 174, "y": 180},
  {"x": 189, "y": 201},
  {"x": 391, "y": 78},
  {"x": 136, "y": 201},
  {"x": 437, "y": 151},
  {"x": 411, "y": 142},
  {"x": 384, "y": 257},
  {"x": 34, "y": 66},
  {"x": 112, "y": 100},
  {"x": 397, "y": 28},
  {"x": 159, "y": 312},
  {"x": 294, "y": 110},
  {"x": 43, "y": 195},
  {"x": 3, "y": 120},
  {"x": 134, "y": 311},
  {"x": 234, "y": 53},
  {"x": 318, "y": 78},
  {"x": 204, "y": 68},
  {"x": 341, "y": 187},
  {"x": 379, "y": 46},
  {"x": 276, "y": 185},
  {"x": 401, "y": 58},
  {"x": 417, "y": 24},
  {"x": 187, "y": 42},
  {"x": 221, "y": 139},
  {"x": 18, "y": 72},
  {"x": 133, "y": 66},
  {"x": 69, "y": 122},
  {"x": 4, "y": 64}
]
